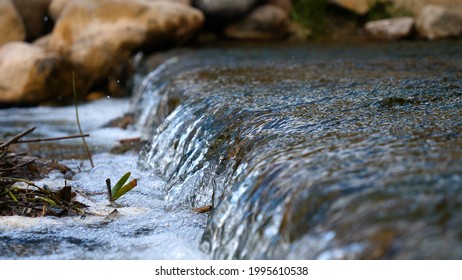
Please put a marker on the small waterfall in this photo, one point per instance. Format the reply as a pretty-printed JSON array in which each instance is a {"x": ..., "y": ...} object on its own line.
[{"x": 311, "y": 152}]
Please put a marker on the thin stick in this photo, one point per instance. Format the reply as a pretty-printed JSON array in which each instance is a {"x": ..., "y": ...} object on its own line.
[
  {"x": 109, "y": 191},
  {"x": 15, "y": 138},
  {"x": 78, "y": 122},
  {"x": 52, "y": 138}
]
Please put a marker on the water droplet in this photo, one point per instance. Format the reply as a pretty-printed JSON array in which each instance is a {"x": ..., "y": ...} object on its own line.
[
  {"x": 55, "y": 175},
  {"x": 100, "y": 173}
]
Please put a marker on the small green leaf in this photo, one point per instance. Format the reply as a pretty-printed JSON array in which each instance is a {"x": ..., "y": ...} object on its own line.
[
  {"x": 12, "y": 196},
  {"x": 123, "y": 190},
  {"x": 119, "y": 184},
  {"x": 49, "y": 201}
]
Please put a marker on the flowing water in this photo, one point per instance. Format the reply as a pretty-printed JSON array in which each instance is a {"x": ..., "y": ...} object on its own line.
[
  {"x": 302, "y": 152},
  {"x": 143, "y": 228},
  {"x": 312, "y": 151}
]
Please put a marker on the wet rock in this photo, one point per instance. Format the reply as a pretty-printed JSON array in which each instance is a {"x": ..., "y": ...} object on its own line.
[
  {"x": 438, "y": 22},
  {"x": 34, "y": 15},
  {"x": 267, "y": 22},
  {"x": 10, "y": 23},
  {"x": 99, "y": 35},
  {"x": 360, "y": 7},
  {"x": 390, "y": 29},
  {"x": 225, "y": 8},
  {"x": 30, "y": 75}
]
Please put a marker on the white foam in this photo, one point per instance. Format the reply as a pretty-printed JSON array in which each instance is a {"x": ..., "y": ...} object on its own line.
[{"x": 143, "y": 227}]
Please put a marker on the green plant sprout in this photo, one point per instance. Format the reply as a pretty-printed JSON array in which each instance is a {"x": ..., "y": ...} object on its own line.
[{"x": 120, "y": 188}]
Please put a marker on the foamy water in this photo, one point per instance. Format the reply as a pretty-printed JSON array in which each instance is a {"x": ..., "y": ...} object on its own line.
[{"x": 142, "y": 228}]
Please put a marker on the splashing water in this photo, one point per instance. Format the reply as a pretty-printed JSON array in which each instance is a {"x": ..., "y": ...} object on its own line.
[
  {"x": 142, "y": 227},
  {"x": 313, "y": 151},
  {"x": 318, "y": 152}
]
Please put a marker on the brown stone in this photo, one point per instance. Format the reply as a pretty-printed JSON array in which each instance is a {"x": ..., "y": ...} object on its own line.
[
  {"x": 360, "y": 7},
  {"x": 11, "y": 25},
  {"x": 29, "y": 75},
  {"x": 43, "y": 42},
  {"x": 98, "y": 35},
  {"x": 298, "y": 32},
  {"x": 56, "y": 7},
  {"x": 266, "y": 22},
  {"x": 34, "y": 15}
]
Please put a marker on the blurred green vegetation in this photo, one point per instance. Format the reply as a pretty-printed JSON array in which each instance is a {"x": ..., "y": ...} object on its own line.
[
  {"x": 319, "y": 15},
  {"x": 310, "y": 13}
]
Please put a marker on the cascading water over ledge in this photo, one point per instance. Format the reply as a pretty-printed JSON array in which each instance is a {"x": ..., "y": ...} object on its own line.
[{"x": 312, "y": 152}]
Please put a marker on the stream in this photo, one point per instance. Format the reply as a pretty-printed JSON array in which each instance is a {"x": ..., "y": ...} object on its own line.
[
  {"x": 143, "y": 228},
  {"x": 300, "y": 151}
]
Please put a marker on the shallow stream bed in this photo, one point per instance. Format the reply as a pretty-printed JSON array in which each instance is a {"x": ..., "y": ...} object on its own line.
[{"x": 301, "y": 152}]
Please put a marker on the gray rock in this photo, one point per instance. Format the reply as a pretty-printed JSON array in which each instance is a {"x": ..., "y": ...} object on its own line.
[
  {"x": 438, "y": 22},
  {"x": 360, "y": 7},
  {"x": 225, "y": 8},
  {"x": 390, "y": 29}
]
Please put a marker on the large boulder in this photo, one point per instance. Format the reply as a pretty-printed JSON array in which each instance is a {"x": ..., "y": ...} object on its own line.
[
  {"x": 35, "y": 17},
  {"x": 266, "y": 22},
  {"x": 99, "y": 35},
  {"x": 390, "y": 29},
  {"x": 57, "y": 6},
  {"x": 11, "y": 26},
  {"x": 438, "y": 22},
  {"x": 225, "y": 9},
  {"x": 29, "y": 75}
]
